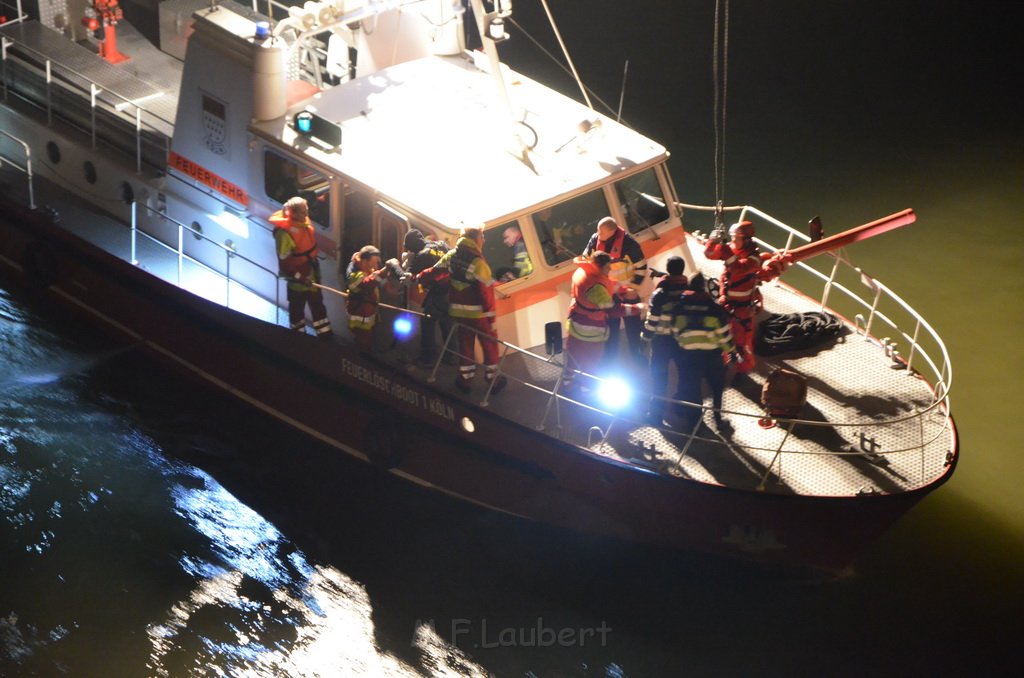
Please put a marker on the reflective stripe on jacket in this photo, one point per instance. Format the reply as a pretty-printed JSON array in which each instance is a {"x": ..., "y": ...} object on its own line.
[
  {"x": 664, "y": 299},
  {"x": 699, "y": 324},
  {"x": 296, "y": 249},
  {"x": 471, "y": 285},
  {"x": 591, "y": 300},
  {"x": 742, "y": 275},
  {"x": 363, "y": 298}
]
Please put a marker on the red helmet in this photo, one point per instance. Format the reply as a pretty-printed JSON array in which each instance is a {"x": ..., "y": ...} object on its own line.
[{"x": 744, "y": 228}]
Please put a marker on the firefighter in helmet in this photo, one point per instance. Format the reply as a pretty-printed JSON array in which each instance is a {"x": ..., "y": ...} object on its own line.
[
  {"x": 297, "y": 262},
  {"x": 745, "y": 269}
]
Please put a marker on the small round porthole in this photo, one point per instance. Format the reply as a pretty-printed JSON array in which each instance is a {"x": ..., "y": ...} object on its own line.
[
  {"x": 127, "y": 193},
  {"x": 53, "y": 152},
  {"x": 90, "y": 171},
  {"x": 467, "y": 425},
  {"x": 197, "y": 229}
]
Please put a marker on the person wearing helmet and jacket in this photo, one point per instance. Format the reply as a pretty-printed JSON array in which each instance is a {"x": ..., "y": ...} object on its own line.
[
  {"x": 739, "y": 294},
  {"x": 364, "y": 279},
  {"x": 594, "y": 300},
  {"x": 297, "y": 252},
  {"x": 471, "y": 306},
  {"x": 628, "y": 269}
]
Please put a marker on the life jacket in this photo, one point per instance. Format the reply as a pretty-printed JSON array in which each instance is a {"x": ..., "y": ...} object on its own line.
[
  {"x": 621, "y": 268},
  {"x": 521, "y": 260},
  {"x": 586, "y": 321},
  {"x": 302, "y": 257},
  {"x": 741, "y": 277},
  {"x": 471, "y": 292},
  {"x": 363, "y": 298}
]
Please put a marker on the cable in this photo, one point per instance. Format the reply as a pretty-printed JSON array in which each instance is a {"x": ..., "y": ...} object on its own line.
[{"x": 720, "y": 78}]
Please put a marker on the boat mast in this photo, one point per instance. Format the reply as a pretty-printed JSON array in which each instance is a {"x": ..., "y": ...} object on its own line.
[{"x": 491, "y": 26}]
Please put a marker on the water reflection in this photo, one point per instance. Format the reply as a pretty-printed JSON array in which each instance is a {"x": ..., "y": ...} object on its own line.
[
  {"x": 258, "y": 606},
  {"x": 109, "y": 534}
]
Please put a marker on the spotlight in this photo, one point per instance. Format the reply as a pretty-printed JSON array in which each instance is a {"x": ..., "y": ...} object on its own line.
[{"x": 614, "y": 393}]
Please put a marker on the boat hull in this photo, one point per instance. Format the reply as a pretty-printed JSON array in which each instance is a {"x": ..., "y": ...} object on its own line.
[{"x": 376, "y": 413}]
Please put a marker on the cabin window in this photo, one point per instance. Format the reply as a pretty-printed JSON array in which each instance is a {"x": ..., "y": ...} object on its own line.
[
  {"x": 642, "y": 200},
  {"x": 564, "y": 230},
  {"x": 284, "y": 178},
  {"x": 506, "y": 253}
]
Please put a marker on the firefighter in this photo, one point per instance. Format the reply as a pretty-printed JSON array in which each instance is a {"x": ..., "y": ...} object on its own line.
[
  {"x": 365, "y": 276},
  {"x": 745, "y": 270},
  {"x": 665, "y": 349},
  {"x": 595, "y": 298},
  {"x": 628, "y": 268},
  {"x": 432, "y": 293},
  {"x": 297, "y": 262},
  {"x": 471, "y": 306},
  {"x": 701, "y": 328},
  {"x": 522, "y": 266}
]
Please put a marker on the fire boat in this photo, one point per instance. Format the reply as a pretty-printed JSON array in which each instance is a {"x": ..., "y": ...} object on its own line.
[{"x": 138, "y": 174}]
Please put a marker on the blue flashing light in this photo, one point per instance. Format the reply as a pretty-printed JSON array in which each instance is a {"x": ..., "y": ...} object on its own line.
[
  {"x": 614, "y": 393},
  {"x": 402, "y": 327},
  {"x": 304, "y": 122}
]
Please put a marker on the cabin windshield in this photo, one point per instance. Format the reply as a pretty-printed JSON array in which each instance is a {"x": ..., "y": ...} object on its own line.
[
  {"x": 564, "y": 229},
  {"x": 642, "y": 201}
]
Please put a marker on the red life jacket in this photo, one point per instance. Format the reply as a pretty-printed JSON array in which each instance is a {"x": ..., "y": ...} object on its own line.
[
  {"x": 613, "y": 245},
  {"x": 580, "y": 311},
  {"x": 741, "y": 276},
  {"x": 300, "y": 260}
]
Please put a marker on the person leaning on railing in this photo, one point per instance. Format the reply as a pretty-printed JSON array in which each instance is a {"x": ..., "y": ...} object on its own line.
[
  {"x": 297, "y": 263},
  {"x": 365, "y": 276}
]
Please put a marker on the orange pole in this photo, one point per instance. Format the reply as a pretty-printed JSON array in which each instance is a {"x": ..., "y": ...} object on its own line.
[{"x": 848, "y": 237}]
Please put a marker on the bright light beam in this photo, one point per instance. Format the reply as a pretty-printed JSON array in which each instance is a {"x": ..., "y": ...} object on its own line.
[{"x": 614, "y": 393}]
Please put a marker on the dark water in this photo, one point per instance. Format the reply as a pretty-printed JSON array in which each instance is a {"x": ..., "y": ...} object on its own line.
[{"x": 153, "y": 527}]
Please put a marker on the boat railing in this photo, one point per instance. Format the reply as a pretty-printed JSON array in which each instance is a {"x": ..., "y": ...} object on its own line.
[
  {"x": 54, "y": 74},
  {"x": 23, "y": 165},
  {"x": 12, "y": 12},
  {"x": 926, "y": 355},
  {"x": 179, "y": 251},
  {"x": 593, "y": 424}
]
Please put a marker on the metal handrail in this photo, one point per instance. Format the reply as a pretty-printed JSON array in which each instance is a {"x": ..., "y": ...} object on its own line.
[
  {"x": 27, "y": 169},
  {"x": 65, "y": 74},
  {"x": 229, "y": 254},
  {"x": 942, "y": 374}
]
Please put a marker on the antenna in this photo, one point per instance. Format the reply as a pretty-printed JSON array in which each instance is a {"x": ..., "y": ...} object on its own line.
[{"x": 622, "y": 92}]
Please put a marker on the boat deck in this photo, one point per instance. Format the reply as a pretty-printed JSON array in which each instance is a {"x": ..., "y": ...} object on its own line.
[
  {"x": 869, "y": 425},
  {"x": 148, "y": 81}
]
